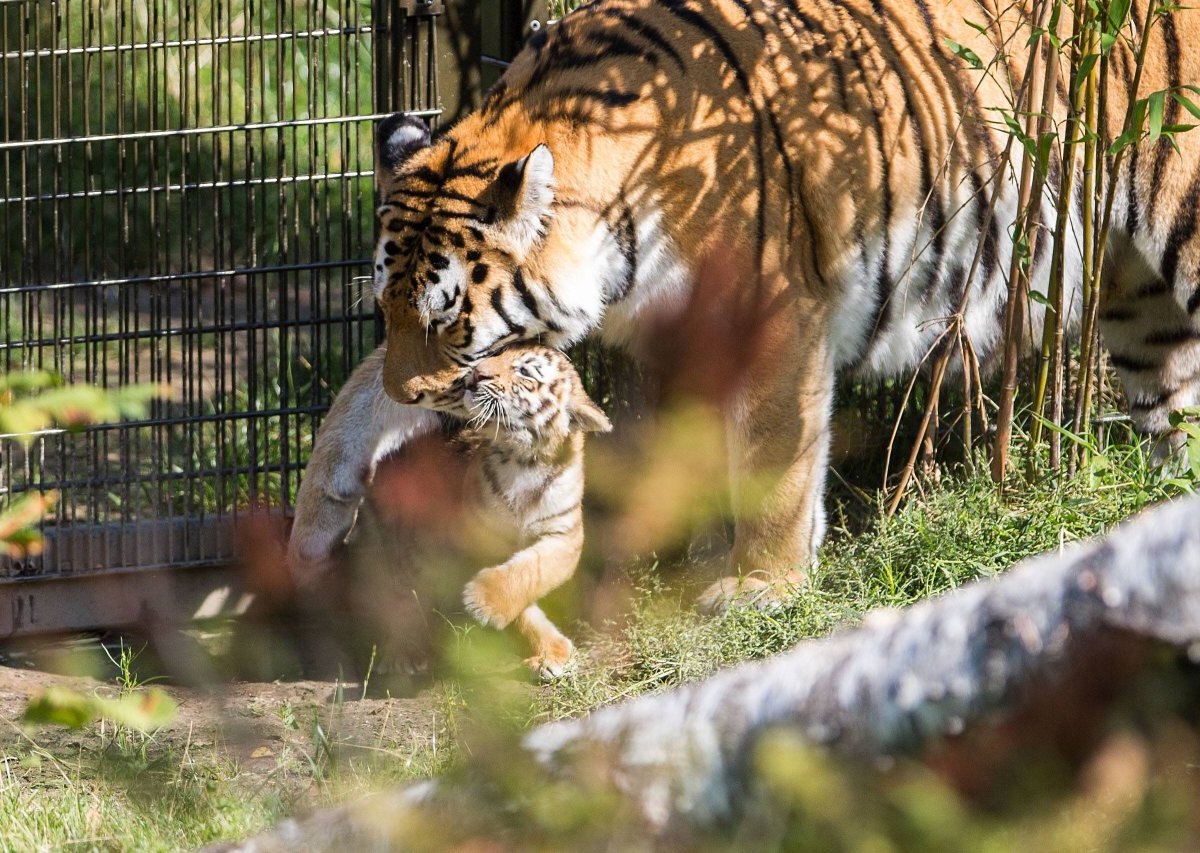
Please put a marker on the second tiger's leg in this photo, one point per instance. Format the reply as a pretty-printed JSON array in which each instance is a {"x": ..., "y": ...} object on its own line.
[
  {"x": 1154, "y": 344},
  {"x": 779, "y": 450}
]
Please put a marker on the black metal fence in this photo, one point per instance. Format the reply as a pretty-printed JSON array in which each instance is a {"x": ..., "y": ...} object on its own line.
[{"x": 187, "y": 199}]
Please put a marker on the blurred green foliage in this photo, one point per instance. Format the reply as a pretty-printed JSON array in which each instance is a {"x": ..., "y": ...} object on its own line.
[
  {"x": 33, "y": 402},
  {"x": 143, "y": 711}
]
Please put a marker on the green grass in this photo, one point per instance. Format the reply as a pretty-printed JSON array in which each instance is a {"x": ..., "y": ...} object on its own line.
[
  {"x": 104, "y": 806},
  {"x": 96, "y": 791},
  {"x": 958, "y": 532}
]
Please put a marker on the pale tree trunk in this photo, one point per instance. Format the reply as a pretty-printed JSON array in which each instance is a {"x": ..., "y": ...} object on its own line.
[{"x": 682, "y": 760}]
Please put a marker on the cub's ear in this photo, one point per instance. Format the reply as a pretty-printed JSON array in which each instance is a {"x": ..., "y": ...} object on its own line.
[
  {"x": 397, "y": 138},
  {"x": 521, "y": 197},
  {"x": 586, "y": 416}
]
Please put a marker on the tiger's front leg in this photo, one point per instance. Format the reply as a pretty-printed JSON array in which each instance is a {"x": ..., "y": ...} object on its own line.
[
  {"x": 499, "y": 595},
  {"x": 778, "y": 438},
  {"x": 362, "y": 426}
]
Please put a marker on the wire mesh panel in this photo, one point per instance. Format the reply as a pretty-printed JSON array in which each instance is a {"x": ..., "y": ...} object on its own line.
[{"x": 187, "y": 200}]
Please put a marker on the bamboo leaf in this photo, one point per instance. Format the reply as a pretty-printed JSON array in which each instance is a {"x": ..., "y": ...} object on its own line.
[
  {"x": 1118, "y": 11},
  {"x": 144, "y": 710},
  {"x": 1086, "y": 64},
  {"x": 965, "y": 54},
  {"x": 22, "y": 419},
  {"x": 1187, "y": 103},
  {"x": 18, "y": 537},
  {"x": 60, "y": 707},
  {"x": 1084, "y": 441},
  {"x": 1133, "y": 133},
  {"x": 1157, "y": 101},
  {"x": 1045, "y": 145},
  {"x": 14, "y": 384},
  {"x": 74, "y": 407}
]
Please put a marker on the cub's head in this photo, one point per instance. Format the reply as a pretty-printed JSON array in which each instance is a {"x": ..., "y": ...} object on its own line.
[
  {"x": 463, "y": 227},
  {"x": 530, "y": 396}
]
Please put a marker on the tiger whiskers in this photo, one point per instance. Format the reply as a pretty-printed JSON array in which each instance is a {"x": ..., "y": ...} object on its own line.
[{"x": 487, "y": 407}]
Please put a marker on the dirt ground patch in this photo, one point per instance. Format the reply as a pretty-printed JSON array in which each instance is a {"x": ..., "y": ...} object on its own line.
[{"x": 264, "y": 729}]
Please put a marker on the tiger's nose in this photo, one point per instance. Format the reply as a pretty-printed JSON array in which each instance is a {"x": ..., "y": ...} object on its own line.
[{"x": 473, "y": 378}]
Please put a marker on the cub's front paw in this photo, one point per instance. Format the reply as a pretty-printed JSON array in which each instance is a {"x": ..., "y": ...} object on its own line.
[
  {"x": 751, "y": 591},
  {"x": 552, "y": 660},
  {"x": 489, "y": 599}
]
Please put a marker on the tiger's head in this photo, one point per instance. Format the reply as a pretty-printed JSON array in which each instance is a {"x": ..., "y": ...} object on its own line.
[
  {"x": 528, "y": 397},
  {"x": 469, "y": 240}
]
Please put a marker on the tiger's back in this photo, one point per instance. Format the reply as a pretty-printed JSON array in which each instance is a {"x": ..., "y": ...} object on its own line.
[{"x": 839, "y": 149}]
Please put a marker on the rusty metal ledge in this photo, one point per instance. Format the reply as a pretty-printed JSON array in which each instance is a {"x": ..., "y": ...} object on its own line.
[{"x": 118, "y": 598}]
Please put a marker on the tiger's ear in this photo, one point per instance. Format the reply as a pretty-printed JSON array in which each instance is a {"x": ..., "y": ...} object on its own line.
[
  {"x": 397, "y": 138},
  {"x": 585, "y": 415},
  {"x": 521, "y": 197}
]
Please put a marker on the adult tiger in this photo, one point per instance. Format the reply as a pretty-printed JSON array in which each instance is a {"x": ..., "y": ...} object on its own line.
[{"x": 843, "y": 145}]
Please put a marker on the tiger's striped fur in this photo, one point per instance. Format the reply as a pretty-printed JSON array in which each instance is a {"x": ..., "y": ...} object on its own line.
[{"x": 839, "y": 143}]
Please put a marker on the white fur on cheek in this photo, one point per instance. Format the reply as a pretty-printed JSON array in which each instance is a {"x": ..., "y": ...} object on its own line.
[
  {"x": 382, "y": 271},
  {"x": 443, "y": 301}
]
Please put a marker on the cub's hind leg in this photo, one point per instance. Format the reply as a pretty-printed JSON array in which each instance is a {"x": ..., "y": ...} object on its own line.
[
  {"x": 551, "y": 649},
  {"x": 1154, "y": 344}
]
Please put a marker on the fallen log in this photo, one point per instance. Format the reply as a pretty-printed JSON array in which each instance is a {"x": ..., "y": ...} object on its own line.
[{"x": 901, "y": 681}]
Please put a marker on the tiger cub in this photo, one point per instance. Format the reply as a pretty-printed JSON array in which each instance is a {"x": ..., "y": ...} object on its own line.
[{"x": 526, "y": 413}]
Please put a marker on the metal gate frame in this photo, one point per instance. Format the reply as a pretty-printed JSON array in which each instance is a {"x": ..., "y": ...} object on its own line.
[{"x": 113, "y": 164}]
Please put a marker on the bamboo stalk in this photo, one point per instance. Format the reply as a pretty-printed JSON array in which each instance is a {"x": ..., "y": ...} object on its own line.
[
  {"x": 1090, "y": 298},
  {"x": 1054, "y": 284},
  {"x": 955, "y": 326},
  {"x": 968, "y": 415},
  {"x": 1110, "y": 194},
  {"x": 935, "y": 390},
  {"x": 1051, "y": 360},
  {"x": 1014, "y": 318}
]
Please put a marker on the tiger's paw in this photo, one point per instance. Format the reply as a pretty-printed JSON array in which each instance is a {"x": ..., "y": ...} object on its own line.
[
  {"x": 552, "y": 660},
  {"x": 750, "y": 591},
  {"x": 487, "y": 598}
]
